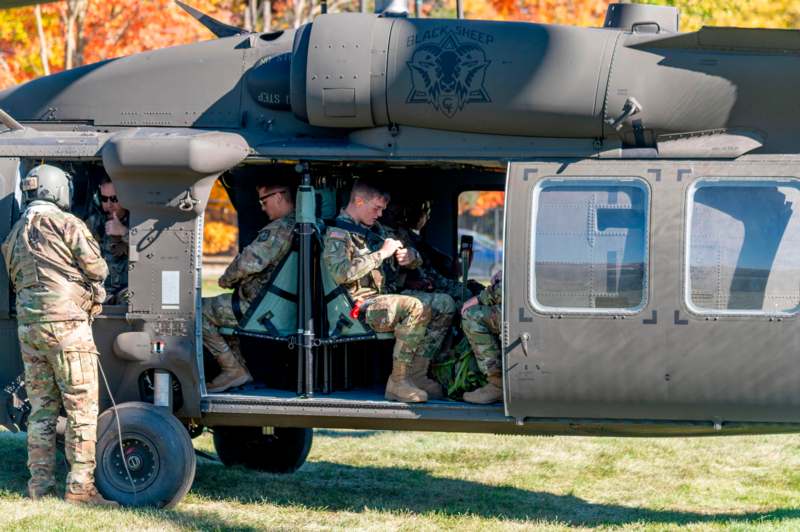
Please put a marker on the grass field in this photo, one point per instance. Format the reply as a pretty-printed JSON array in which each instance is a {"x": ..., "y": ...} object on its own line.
[{"x": 420, "y": 481}]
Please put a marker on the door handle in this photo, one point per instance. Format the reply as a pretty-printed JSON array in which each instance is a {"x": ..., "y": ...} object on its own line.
[{"x": 524, "y": 338}]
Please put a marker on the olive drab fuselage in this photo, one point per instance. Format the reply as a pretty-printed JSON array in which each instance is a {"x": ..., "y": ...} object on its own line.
[{"x": 635, "y": 297}]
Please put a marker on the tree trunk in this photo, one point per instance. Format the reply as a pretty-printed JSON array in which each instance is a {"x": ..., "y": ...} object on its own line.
[
  {"x": 43, "y": 48},
  {"x": 73, "y": 24},
  {"x": 266, "y": 14},
  {"x": 248, "y": 17}
]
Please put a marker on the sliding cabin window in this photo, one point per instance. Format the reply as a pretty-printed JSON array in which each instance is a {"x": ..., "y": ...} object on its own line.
[
  {"x": 590, "y": 246},
  {"x": 743, "y": 247}
]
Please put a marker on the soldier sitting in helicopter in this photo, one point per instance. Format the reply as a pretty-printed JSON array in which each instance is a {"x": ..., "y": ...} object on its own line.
[
  {"x": 110, "y": 228},
  {"x": 249, "y": 272},
  {"x": 360, "y": 254}
]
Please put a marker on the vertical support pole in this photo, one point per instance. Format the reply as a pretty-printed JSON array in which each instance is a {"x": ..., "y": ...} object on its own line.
[
  {"x": 417, "y": 8},
  {"x": 460, "y": 9},
  {"x": 162, "y": 389},
  {"x": 306, "y": 220}
]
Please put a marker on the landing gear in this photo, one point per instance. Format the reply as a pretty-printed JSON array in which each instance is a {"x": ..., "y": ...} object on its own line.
[
  {"x": 155, "y": 447},
  {"x": 274, "y": 450}
]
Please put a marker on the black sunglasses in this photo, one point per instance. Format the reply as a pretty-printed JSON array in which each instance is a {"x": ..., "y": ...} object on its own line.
[
  {"x": 112, "y": 199},
  {"x": 263, "y": 199}
]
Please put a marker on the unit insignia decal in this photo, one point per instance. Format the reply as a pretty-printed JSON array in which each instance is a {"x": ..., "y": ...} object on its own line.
[{"x": 448, "y": 75}]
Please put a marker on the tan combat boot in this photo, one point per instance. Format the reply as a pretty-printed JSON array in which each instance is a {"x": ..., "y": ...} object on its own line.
[
  {"x": 399, "y": 386},
  {"x": 91, "y": 497},
  {"x": 419, "y": 376},
  {"x": 233, "y": 373},
  {"x": 491, "y": 393},
  {"x": 37, "y": 494}
]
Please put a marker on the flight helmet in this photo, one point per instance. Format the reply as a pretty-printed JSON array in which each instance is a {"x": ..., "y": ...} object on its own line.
[{"x": 48, "y": 183}]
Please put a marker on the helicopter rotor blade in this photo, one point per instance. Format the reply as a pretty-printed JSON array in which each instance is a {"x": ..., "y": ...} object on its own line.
[{"x": 220, "y": 29}]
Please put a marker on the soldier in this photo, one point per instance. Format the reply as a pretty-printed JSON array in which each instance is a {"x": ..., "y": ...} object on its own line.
[
  {"x": 110, "y": 229},
  {"x": 356, "y": 252},
  {"x": 406, "y": 221},
  {"x": 480, "y": 321},
  {"x": 58, "y": 273},
  {"x": 247, "y": 275}
]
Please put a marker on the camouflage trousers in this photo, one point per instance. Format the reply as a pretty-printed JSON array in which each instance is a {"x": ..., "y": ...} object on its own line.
[
  {"x": 419, "y": 320},
  {"x": 217, "y": 313},
  {"x": 60, "y": 361},
  {"x": 481, "y": 326}
]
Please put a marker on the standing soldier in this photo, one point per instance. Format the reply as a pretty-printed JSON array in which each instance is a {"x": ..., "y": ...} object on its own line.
[
  {"x": 480, "y": 320},
  {"x": 110, "y": 229},
  {"x": 419, "y": 320},
  {"x": 58, "y": 273},
  {"x": 247, "y": 275}
]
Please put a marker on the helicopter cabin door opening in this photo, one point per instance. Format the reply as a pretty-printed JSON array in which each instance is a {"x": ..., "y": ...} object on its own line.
[{"x": 653, "y": 290}]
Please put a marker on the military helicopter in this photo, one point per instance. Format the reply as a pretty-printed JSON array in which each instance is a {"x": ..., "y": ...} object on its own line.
[{"x": 650, "y": 233}]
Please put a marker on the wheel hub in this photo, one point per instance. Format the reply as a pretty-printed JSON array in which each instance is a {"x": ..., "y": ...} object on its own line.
[{"x": 141, "y": 458}]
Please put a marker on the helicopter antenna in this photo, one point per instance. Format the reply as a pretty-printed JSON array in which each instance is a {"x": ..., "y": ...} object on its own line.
[{"x": 220, "y": 29}]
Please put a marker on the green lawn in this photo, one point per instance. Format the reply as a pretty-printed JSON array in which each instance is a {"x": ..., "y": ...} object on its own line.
[{"x": 421, "y": 481}]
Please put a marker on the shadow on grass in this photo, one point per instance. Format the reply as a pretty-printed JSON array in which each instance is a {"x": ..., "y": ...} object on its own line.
[
  {"x": 340, "y": 487},
  {"x": 338, "y": 434},
  {"x": 14, "y": 478}
]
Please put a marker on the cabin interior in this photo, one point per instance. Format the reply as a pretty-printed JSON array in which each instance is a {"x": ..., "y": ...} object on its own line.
[
  {"x": 346, "y": 367},
  {"x": 353, "y": 364}
]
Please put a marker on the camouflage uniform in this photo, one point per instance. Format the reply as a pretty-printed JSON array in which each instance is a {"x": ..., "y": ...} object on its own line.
[
  {"x": 419, "y": 320},
  {"x": 427, "y": 276},
  {"x": 481, "y": 325},
  {"x": 249, "y": 272},
  {"x": 58, "y": 273},
  {"x": 115, "y": 253}
]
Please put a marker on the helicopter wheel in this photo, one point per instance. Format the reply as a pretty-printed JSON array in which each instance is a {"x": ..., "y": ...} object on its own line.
[
  {"x": 284, "y": 450},
  {"x": 155, "y": 447}
]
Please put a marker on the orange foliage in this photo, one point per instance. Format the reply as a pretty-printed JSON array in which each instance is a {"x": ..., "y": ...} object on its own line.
[
  {"x": 220, "y": 233},
  {"x": 479, "y": 203},
  {"x": 219, "y": 238},
  {"x": 109, "y": 28}
]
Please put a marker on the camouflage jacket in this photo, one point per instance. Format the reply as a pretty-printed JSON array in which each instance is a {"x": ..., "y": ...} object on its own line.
[
  {"x": 114, "y": 250},
  {"x": 426, "y": 276},
  {"x": 252, "y": 269},
  {"x": 492, "y": 294},
  {"x": 357, "y": 265},
  {"x": 55, "y": 265}
]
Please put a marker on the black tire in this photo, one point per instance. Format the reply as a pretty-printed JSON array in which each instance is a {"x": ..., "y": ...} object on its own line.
[
  {"x": 284, "y": 451},
  {"x": 159, "y": 454}
]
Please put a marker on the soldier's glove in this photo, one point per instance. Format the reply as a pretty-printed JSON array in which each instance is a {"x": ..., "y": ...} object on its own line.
[{"x": 96, "y": 309}]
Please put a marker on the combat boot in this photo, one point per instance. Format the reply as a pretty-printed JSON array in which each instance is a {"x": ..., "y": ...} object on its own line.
[
  {"x": 399, "y": 386},
  {"x": 491, "y": 393},
  {"x": 35, "y": 494},
  {"x": 91, "y": 497},
  {"x": 233, "y": 373},
  {"x": 419, "y": 376}
]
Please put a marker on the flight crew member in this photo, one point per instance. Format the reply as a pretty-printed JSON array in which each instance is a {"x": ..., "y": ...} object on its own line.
[
  {"x": 247, "y": 275},
  {"x": 57, "y": 271},
  {"x": 480, "y": 321},
  {"x": 419, "y": 320},
  {"x": 110, "y": 229}
]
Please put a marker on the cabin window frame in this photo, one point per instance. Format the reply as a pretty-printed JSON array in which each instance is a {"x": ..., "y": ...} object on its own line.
[
  {"x": 620, "y": 181},
  {"x": 711, "y": 181}
]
